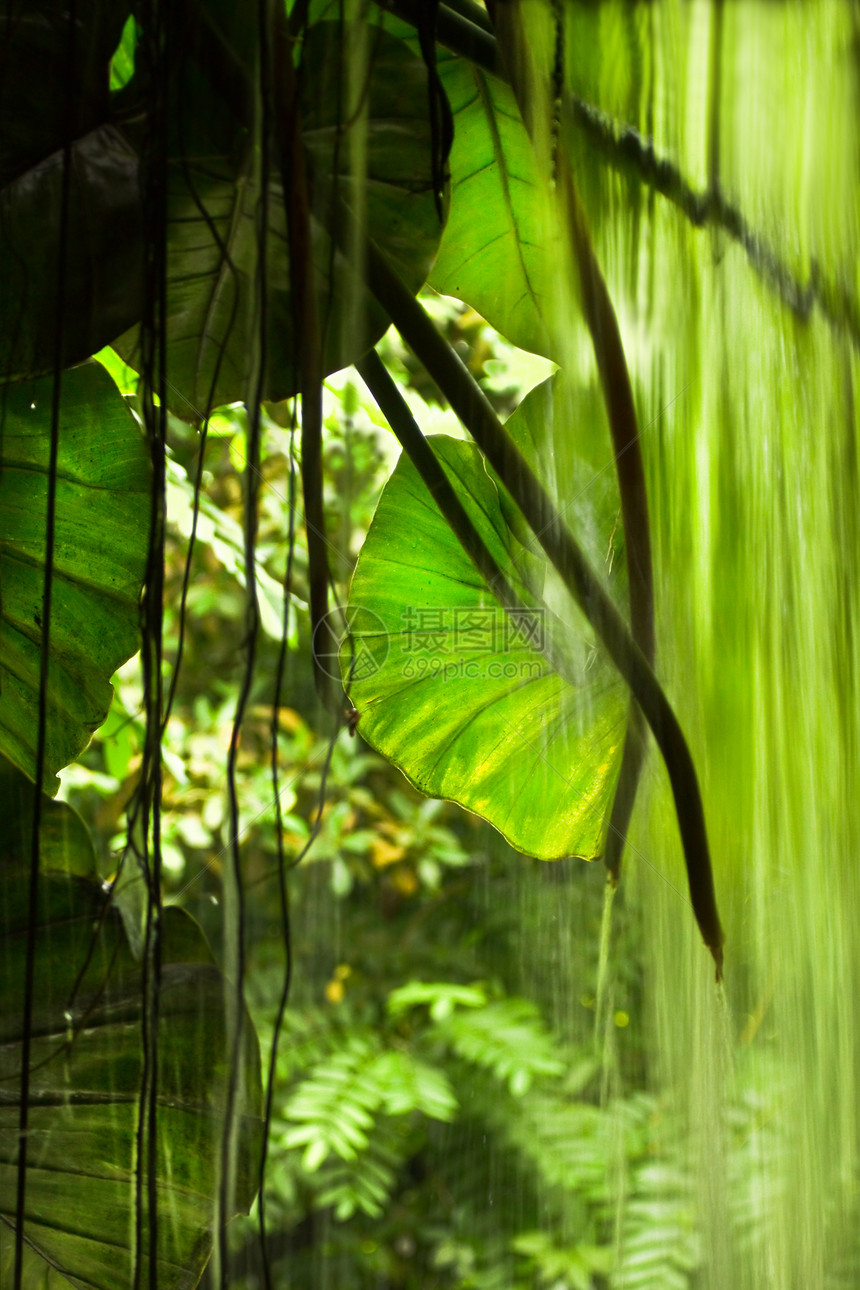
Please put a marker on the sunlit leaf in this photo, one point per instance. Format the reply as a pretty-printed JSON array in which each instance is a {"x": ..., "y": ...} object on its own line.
[
  {"x": 99, "y": 554},
  {"x": 459, "y": 694},
  {"x": 494, "y": 250}
]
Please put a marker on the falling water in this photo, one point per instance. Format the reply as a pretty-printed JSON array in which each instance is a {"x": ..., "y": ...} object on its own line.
[
  {"x": 744, "y": 346},
  {"x": 732, "y": 261}
]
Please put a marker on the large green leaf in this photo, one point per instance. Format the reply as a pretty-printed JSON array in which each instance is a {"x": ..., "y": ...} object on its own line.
[
  {"x": 449, "y": 687},
  {"x": 380, "y": 151},
  {"x": 99, "y": 555},
  {"x": 494, "y": 252},
  {"x": 86, "y": 1068},
  {"x": 64, "y": 842}
]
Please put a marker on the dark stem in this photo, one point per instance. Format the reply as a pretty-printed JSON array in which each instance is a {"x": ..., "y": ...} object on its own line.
[
  {"x": 283, "y": 887},
  {"x": 156, "y": 51},
  {"x": 308, "y": 347},
  {"x": 478, "y": 416},
  {"x": 630, "y": 152},
  {"x": 462, "y": 32},
  {"x": 373, "y": 372},
  {"x": 614, "y": 377},
  {"x": 609, "y": 354},
  {"x": 42, "y": 720},
  {"x": 396, "y": 411}
]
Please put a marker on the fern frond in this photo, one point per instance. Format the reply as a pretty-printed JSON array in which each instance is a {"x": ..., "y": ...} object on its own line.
[{"x": 508, "y": 1038}]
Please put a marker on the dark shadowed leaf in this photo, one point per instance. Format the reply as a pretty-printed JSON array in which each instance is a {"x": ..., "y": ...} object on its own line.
[
  {"x": 54, "y": 75},
  {"x": 85, "y": 1080},
  {"x": 55, "y": 90},
  {"x": 64, "y": 840},
  {"x": 102, "y": 274},
  {"x": 214, "y": 212}
]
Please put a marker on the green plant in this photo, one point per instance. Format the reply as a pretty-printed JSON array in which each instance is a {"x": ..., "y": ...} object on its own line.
[
  {"x": 294, "y": 132},
  {"x": 115, "y": 1090},
  {"x": 238, "y": 206}
]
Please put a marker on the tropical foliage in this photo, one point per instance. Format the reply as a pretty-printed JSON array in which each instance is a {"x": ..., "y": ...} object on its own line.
[{"x": 206, "y": 215}]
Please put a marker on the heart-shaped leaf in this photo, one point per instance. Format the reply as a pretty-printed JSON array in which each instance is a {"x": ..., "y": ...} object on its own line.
[
  {"x": 99, "y": 556},
  {"x": 459, "y": 693},
  {"x": 86, "y": 1072}
]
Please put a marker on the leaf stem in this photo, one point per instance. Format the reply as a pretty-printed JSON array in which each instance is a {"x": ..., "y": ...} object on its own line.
[
  {"x": 531, "y": 95},
  {"x": 474, "y": 410},
  {"x": 393, "y": 406},
  {"x": 307, "y": 330}
]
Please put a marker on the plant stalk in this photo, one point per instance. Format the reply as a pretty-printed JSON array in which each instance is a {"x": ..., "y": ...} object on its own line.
[{"x": 474, "y": 410}]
